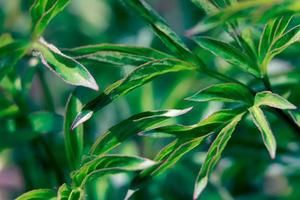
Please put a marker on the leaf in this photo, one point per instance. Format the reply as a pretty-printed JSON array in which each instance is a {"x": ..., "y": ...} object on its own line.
[
  {"x": 229, "y": 53},
  {"x": 63, "y": 192},
  {"x": 262, "y": 124},
  {"x": 38, "y": 194},
  {"x": 42, "y": 12},
  {"x": 136, "y": 78},
  {"x": 45, "y": 122},
  {"x": 273, "y": 100},
  {"x": 10, "y": 54},
  {"x": 214, "y": 154},
  {"x": 120, "y": 55},
  {"x": 159, "y": 26},
  {"x": 187, "y": 138},
  {"x": 109, "y": 164},
  {"x": 206, "y": 5},
  {"x": 131, "y": 126},
  {"x": 64, "y": 67},
  {"x": 73, "y": 138},
  {"x": 225, "y": 92}
]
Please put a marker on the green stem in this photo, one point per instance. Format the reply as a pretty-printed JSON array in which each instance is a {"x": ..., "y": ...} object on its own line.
[{"x": 47, "y": 93}]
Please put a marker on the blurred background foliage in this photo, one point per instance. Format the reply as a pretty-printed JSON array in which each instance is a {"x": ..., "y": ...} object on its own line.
[{"x": 244, "y": 172}]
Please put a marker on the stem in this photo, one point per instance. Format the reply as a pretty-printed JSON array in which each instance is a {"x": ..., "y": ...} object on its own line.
[{"x": 47, "y": 94}]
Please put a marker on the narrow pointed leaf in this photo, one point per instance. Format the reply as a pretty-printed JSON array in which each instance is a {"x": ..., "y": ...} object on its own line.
[
  {"x": 131, "y": 126},
  {"x": 229, "y": 53},
  {"x": 159, "y": 26},
  {"x": 109, "y": 164},
  {"x": 206, "y": 5},
  {"x": 64, "y": 67},
  {"x": 136, "y": 78},
  {"x": 225, "y": 92},
  {"x": 38, "y": 194},
  {"x": 262, "y": 124},
  {"x": 214, "y": 154},
  {"x": 73, "y": 138},
  {"x": 273, "y": 100}
]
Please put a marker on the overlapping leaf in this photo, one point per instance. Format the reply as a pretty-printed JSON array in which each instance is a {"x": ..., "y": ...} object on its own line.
[
  {"x": 64, "y": 66},
  {"x": 136, "y": 78},
  {"x": 273, "y": 100},
  {"x": 129, "y": 127},
  {"x": 214, "y": 154},
  {"x": 229, "y": 53}
]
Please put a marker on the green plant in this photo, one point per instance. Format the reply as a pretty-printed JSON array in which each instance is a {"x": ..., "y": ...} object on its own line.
[{"x": 248, "y": 52}]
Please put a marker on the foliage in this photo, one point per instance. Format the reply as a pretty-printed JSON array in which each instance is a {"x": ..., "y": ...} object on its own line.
[{"x": 232, "y": 50}]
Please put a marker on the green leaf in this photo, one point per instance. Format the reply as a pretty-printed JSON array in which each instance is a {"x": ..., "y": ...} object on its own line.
[
  {"x": 109, "y": 164},
  {"x": 229, "y": 53},
  {"x": 159, "y": 26},
  {"x": 273, "y": 100},
  {"x": 10, "y": 54},
  {"x": 262, "y": 124},
  {"x": 45, "y": 122},
  {"x": 63, "y": 192},
  {"x": 73, "y": 138},
  {"x": 136, "y": 78},
  {"x": 42, "y": 12},
  {"x": 225, "y": 92},
  {"x": 120, "y": 55},
  {"x": 131, "y": 126},
  {"x": 38, "y": 194},
  {"x": 206, "y": 5},
  {"x": 5, "y": 39},
  {"x": 64, "y": 67},
  {"x": 214, "y": 154}
]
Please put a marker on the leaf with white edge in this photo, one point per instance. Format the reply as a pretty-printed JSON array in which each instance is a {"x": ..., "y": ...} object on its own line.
[
  {"x": 38, "y": 194},
  {"x": 268, "y": 98},
  {"x": 42, "y": 12},
  {"x": 64, "y": 67},
  {"x": 262, "y": 124},
  {"x": 214, "y": 154},
  {"x": 188, "y": 138},
  {"x": 73, "y": 138},
  {"x": 229, "y": 53},
  {"x": 225, "y": 92},
  {"x": 108, "y": 164},
  {"x": 131, "y": 126},
  {"x": 138, "y": 77},
  {"x": 10, "y": 54},
  {"x": 119, "y": 55},
  {"x": 159, "y": 26}
]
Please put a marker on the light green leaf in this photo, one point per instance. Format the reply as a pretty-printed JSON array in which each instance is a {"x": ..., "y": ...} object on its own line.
[
  {"x": 131, "y": 126},
  {"x": 225, "y": 92},
  {"x": 136, "y": 78},
  {"x": 63, "y": 66},
  {"x": 214, "y": 154},
  {"x": 273, "y": 100},
  {"x": 38, "y": 194},
  {"x": 262, "y": 124},
  {"x": 108, "y": 164},
  {"x": 229, "y": 53},
  {"x": 159, "y": 26},
  {"x": 42, "y": 12},
  {"x": 73, "y": 138}
]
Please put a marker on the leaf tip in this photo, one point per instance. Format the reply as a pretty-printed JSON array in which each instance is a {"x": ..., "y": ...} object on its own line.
[
  {"x": 176, "y": 112},
  {"x": 199, "y": 187},
  {"x": 81, "y": 118}
]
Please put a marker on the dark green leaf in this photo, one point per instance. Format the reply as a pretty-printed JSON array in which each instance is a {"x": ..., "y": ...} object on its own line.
[
  {"x": 131, "y": 126},
  {"x": 225, "y": 92},
  {"x": 214, "y": 154},
  {"x": 73, "y": 138},
  {"x": 136, "y": 78},
  {"x": 64, "y": 67},
  {"x": 229, "y": 53},
  {"x": 46, "y": 122}
]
